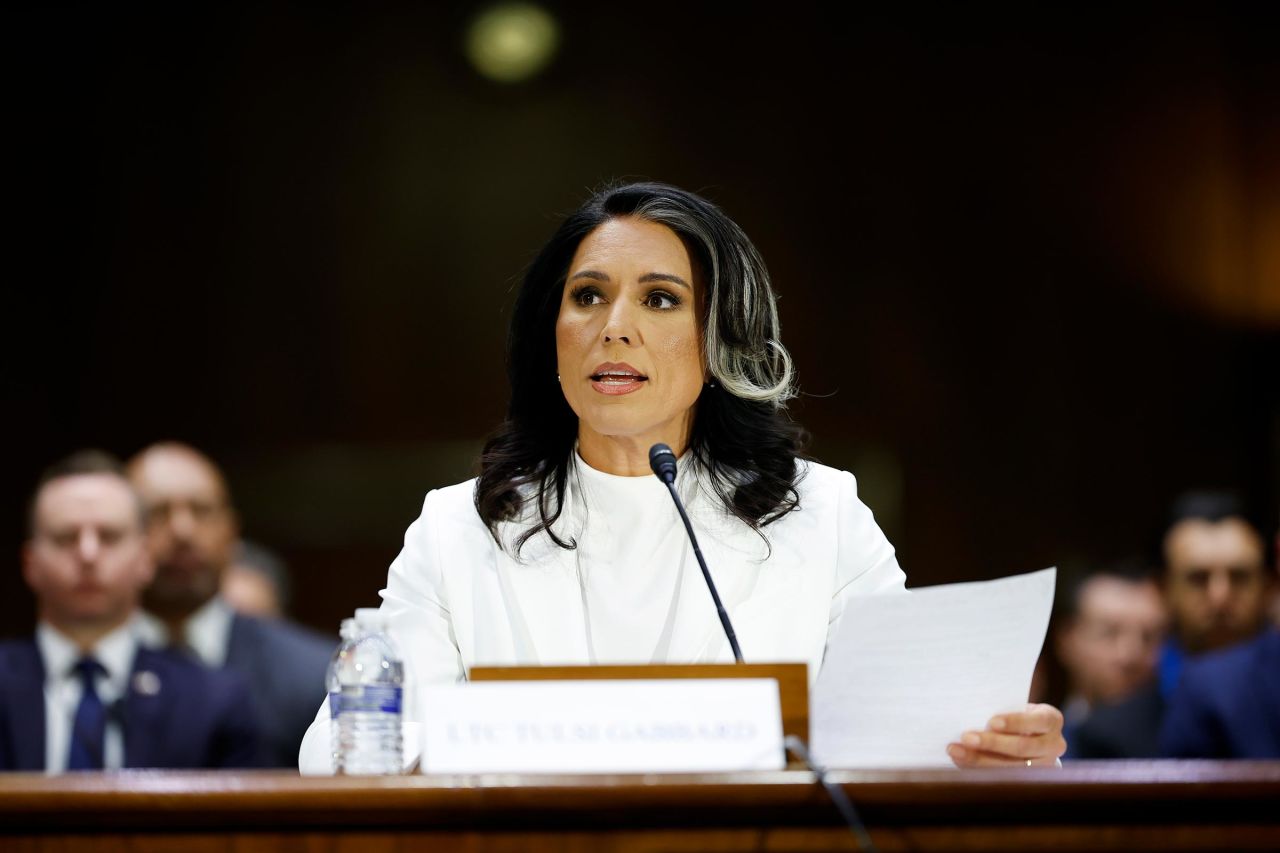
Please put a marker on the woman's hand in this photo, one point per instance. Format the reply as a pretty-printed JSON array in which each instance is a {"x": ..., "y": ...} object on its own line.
[{"x": 1030, "y": 736}]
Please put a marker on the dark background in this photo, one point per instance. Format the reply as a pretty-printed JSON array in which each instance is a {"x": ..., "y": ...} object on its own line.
[{"x": 1029, "y": 259}]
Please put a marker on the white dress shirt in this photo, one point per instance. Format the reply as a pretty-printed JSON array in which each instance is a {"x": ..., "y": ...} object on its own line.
[
  {"x": 206, "y": 632},
  {"x": 631, "y": 591},
  {"x": 63, "y": 690}
]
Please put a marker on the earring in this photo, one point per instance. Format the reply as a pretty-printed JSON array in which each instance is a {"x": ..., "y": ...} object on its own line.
[{"x": 557, "y": 377}]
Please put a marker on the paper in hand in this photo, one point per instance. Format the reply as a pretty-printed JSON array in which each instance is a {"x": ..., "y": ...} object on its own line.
[{"x": 907, "y": 674}]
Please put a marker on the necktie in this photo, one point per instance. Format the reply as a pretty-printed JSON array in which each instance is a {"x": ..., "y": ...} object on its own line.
[
  {"x": 88, "y": 729},
  {"x": 183, "y": 650}
]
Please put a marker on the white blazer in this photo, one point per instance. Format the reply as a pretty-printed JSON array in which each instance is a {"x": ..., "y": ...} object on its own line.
[{"x": 455, "y": 599}]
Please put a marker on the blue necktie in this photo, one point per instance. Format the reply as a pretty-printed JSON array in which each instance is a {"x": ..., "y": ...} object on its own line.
[{"x": 89, "y": 728}]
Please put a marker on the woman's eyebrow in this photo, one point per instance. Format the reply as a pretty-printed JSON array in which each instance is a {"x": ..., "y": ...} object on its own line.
[
  {"x": 662, "y": 276},
  {"x": 596, "y": 275}
]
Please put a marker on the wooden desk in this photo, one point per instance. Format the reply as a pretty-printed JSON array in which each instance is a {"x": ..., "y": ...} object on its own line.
[{"x": 1095, "y": 807}]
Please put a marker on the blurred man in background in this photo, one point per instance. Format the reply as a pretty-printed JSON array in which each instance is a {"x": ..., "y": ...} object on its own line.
[
  {"x": 1108, "y": 639},
  {"x": 1216, "y": 580},
  {"x": 84, "y": 695},
  {"x": 192, "y": 535},
  {"x": 1216, "y": 586},
  {"x": 1227, "y": 703}
]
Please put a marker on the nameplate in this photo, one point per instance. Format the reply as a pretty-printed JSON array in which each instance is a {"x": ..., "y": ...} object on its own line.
[{"x": 694, "y": 725}]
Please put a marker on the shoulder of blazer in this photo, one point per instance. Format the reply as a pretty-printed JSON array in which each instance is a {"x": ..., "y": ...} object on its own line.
[
  {"x": 815, "y": 480},
  {"x": 1222, "y": 674},
  {"x": 181, "y": 676},
  {"x": 21, "y": 706},
  {"x": 281, "y": 632},
  {"x": 20, "y": 659},
  {"x": 277, "y": 653},
  {"x": 456, "y": 503}
]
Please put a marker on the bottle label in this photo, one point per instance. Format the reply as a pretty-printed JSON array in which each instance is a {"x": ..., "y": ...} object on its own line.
[
  {"x": 370, "y": 697},
  {"x": 335, "y": 703}
]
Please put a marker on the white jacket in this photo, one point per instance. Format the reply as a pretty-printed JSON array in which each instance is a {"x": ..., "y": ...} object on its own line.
[{"x": 455, "y": 599}]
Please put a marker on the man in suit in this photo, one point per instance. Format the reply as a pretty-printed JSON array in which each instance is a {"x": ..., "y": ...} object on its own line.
[
  {"x": 192, "y": 535},
  {"x": 83, "y": 695},
  {"x": 1227, "y": 704},
  {"x": 1216, "y": 584}
]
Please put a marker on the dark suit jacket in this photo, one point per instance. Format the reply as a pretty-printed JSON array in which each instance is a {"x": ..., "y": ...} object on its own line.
[
  {"x": 197, "y": 718},
  {"x": 285, "y": 666},
  {"x": 1227, "y": 704},
  {"x": 1127, "y": 729}
]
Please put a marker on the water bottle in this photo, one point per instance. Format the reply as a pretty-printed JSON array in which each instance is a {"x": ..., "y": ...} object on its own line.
[
  {"x": 370, "y": 677},
  {"x": 347, "y": 635}
]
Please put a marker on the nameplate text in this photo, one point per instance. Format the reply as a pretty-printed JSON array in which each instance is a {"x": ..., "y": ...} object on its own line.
[{"x": 691, "y": 725}]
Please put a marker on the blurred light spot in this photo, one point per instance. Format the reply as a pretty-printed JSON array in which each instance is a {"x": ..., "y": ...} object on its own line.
[{"x": 512, "y": 42}]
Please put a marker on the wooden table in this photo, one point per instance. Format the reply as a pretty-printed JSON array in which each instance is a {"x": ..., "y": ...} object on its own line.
[{"x": 1086, "y": 806}]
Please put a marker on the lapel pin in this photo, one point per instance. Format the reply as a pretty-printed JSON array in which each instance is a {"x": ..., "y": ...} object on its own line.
[{"x": 146, "y": 682}]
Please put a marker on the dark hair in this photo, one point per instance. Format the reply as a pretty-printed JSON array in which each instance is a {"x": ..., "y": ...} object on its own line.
[
  {"x": 80, "y": 463},
  {"x": 1073, "y": 579},
  {"x": 1206, "y": 505},
  {"x": 742, "y": 441}
]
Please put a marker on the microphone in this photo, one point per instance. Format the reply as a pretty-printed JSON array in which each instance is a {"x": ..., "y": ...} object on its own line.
[{"x": 663, "y": 463}]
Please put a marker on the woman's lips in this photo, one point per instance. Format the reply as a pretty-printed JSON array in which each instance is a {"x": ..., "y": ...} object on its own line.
[
  {"x": 614, "y": 379},
  {"x": 615, "y": 385}
]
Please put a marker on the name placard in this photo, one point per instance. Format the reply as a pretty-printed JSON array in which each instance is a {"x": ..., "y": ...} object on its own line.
[{"x": 695, "y": 725}]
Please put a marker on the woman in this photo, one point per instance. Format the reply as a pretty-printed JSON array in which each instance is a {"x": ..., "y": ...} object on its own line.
[{"x": 647, "y": 318}]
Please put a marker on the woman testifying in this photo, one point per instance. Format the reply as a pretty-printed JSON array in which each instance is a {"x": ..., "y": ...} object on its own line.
[{"x": 647, "y": 318}]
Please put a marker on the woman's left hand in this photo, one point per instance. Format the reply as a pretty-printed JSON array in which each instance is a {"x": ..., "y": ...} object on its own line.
[{"x": 1032, "y": 736}]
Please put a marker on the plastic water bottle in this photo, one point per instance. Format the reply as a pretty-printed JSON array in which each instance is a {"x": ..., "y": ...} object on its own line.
[
  {"x": 370, "y": 679},
  {"x": 347, "y": 635}
]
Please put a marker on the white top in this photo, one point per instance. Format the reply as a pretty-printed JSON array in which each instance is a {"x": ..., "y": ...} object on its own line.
[
  {"x": 631, "y": 592},
  {"x": 206, "y": 632},
  {"x": 62, "y": 690},
  {"x": 631, "y": 562}
]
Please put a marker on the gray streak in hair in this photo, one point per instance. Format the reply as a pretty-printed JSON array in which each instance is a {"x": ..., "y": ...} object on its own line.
[{"x": 749, "y": 362}]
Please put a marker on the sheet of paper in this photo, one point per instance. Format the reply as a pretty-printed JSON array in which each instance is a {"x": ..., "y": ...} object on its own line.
[{"x": 906, "y": 674}]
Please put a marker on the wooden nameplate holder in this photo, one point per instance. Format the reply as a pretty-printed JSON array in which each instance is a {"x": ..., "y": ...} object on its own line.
[{"x": 792, "y": 678}]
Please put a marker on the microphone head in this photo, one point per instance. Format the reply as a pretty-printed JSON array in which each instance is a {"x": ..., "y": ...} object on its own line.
[{"x": 663, "y": 462}]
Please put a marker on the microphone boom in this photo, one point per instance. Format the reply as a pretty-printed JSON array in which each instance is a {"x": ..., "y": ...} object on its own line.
[{"x": 663, "y": 463}]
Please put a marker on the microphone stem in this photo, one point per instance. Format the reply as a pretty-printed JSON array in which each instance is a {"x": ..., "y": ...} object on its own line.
[{"x": 706, "y": 574}]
